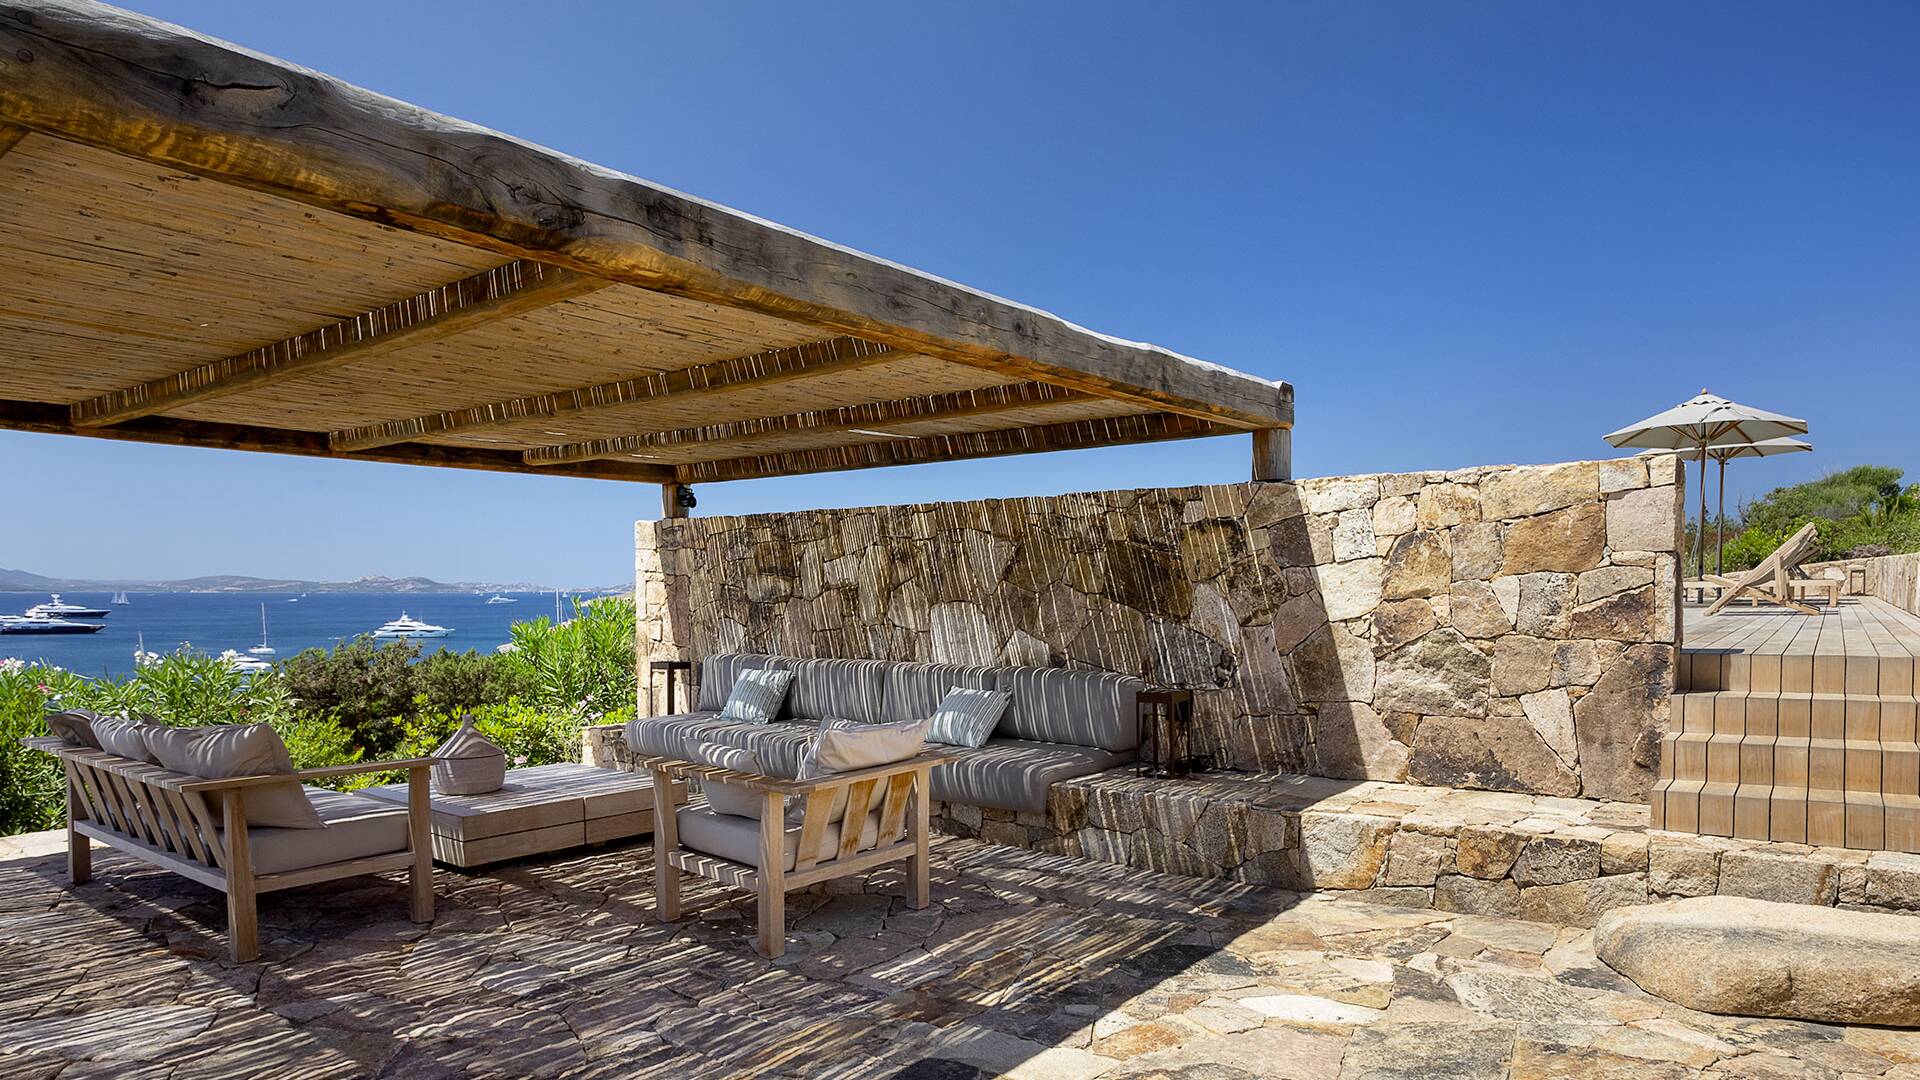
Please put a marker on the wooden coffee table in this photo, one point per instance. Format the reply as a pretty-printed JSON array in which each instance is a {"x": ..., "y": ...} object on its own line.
[{"x": 541, "y": 809}]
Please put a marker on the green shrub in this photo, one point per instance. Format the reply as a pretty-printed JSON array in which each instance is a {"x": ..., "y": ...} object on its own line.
[{"x": 584, "y": 667}]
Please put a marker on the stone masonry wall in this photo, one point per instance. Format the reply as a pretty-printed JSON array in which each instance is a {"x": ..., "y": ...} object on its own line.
[
  {"x": 1893, "y": 578},
  {"x": 1508, "y": 627}
]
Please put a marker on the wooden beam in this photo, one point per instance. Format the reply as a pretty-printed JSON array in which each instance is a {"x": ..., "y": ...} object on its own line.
[
  {"x": 1075, "y": 435},
  {"x": 734, "y": 373},
  {"x": 500, "y": 293},
  {"x": 10, "y": 137},
  {"x": 876, "y": 414},
  {"x": 54, "y": 419},
  {"x": 110, "y": 78},
  {"x": 1273, "y": 454}
]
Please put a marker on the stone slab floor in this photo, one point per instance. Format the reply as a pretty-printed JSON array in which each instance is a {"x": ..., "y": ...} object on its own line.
[{"x": 1028, "y": 965}]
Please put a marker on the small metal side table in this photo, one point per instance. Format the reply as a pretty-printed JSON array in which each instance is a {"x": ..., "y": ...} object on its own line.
[
  {"x": 673, "y": 667},
  {"x": 1165, "y": 718}
]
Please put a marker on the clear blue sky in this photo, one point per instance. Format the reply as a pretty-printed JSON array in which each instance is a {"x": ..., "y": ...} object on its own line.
[{"x": 1467, "y": 233}]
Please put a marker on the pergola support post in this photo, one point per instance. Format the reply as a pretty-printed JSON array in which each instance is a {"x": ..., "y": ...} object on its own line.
[
  {"x": 1273, "y": 453},
  {"x": 670, "y": 501}
]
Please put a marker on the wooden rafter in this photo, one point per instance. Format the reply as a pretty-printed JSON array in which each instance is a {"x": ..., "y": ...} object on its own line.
[
  {"x": 759, "y": 369},
  {"x": 10, "y": 137},
  {"x": 876, "y": 414},
  {"x": 1074, "y": 435},
  {"x": 137, "y": 86},
  {"x": 502, "y": 292},
  {"x": 54, "y": 420}
]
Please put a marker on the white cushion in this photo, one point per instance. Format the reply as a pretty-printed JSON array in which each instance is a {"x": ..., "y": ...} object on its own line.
[
  {"x": 352, "y": 827},
  {"x": 967, "y": 717},
  {"x": 229, "y": 750},
  {"x": 125, "y": 738},
  {"x": 737, "y": 839},
  {"x": 728, "y": 798},
  {"x": 757, "y": 696}
]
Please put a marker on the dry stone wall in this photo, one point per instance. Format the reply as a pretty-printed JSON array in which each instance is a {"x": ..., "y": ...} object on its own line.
[{"x": 1509, "y": 627}]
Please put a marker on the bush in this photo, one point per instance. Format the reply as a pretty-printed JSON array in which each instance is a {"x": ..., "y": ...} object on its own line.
[
  {"x": 374, "y": 688},
  {"x": 584, "y": 667}
]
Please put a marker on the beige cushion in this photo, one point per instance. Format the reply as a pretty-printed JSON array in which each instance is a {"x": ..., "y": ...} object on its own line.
[
  {"x": 737, "y": 839},
  {"x": 125, "y": 738},
  {"x": 845, "y": 746},
  {"x": 75, "y": 726},
  {"x": 728, "y": 798},
  {"x": 229, "y": 750},
  {"x": 352, "y": 827}
]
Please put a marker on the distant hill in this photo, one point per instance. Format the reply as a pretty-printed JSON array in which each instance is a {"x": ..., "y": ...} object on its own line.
[{"x": 25, "y": 581}]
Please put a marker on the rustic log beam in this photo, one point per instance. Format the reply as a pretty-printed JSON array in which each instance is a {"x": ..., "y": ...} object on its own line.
[
  {"x": 1273, "y": 454},
  {"x": 10, "y": 137},
  {"x": 113, "y": 79},
  {"x": 54, "y": 419},
  {"x": 1074, "y": 435},
  {"x": 875, "y": 414},
  {"x": 499, "y": 293},
  {"x": 759, "y": 369}
]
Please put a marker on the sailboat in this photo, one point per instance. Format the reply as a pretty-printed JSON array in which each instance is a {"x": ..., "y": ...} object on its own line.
[
  {"x": 262, "y": 649},
  {"x": 120, "y": 599}
]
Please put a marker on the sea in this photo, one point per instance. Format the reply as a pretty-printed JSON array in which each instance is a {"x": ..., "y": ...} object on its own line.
[{"x": 215, "y": 622}]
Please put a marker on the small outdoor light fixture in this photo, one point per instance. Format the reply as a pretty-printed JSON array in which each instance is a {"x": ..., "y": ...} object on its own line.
[
  {"x": 1165, "y": 718},
  {"x": 683, "y": 497}
]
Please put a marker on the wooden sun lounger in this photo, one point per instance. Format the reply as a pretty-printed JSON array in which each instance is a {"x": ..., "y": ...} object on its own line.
[
  {"x": 1771, "y": 581},
  {"x": 904, "y": 817}
]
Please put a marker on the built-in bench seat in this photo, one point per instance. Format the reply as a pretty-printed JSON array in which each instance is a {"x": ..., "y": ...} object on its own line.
[{"x": 1059, "y": 725}]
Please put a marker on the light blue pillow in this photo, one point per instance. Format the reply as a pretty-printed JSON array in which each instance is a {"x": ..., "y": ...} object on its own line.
[
  {"x": 757, "y": 696},
  {"x": 967, "y": 717}
]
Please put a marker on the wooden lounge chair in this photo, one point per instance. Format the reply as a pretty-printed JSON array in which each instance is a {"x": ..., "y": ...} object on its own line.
[
  {"x": 783, "y": 857},
  {"x": 197, "y": 828},
  {"x": 1771, "y": 580}
]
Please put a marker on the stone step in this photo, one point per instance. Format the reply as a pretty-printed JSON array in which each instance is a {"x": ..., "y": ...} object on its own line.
[
  {"x": 1707, "y": 670},
  {"x": 1826, "y": 817}
]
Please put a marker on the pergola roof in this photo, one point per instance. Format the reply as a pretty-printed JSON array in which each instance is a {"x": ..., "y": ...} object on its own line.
[{"x": 211, "y": 247}]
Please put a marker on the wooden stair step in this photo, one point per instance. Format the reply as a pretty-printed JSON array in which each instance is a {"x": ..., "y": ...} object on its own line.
[
  {"x": 1820, "y": 816},
  {"x": 1710, "y": 670}
]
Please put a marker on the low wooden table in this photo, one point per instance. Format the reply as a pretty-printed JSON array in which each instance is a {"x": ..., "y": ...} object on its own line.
[{"x": 543, "y": 808}]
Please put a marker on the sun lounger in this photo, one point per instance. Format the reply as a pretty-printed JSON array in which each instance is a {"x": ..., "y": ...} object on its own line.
[{"x": 1771, "y": 581}]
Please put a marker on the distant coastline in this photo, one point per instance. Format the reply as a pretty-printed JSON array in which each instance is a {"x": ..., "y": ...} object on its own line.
[{"x": 24, "y": 581}]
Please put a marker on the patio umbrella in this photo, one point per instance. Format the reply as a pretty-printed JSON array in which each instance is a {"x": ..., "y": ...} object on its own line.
[
  {"x": 1708, "y": 420},
  {"x": 1724, "y": 454}
]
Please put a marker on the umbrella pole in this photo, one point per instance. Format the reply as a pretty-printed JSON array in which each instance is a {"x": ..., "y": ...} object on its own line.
[
  {"x": 1700, "y": 536},
  {"x": 1720, "y": 523}
]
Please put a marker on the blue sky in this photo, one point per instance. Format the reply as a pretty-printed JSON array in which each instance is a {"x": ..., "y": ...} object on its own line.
[{"x": 1467, "y": 233}]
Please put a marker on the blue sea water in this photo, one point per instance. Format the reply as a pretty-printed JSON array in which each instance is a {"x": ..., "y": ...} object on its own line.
[{"x": 215, "y": 622}]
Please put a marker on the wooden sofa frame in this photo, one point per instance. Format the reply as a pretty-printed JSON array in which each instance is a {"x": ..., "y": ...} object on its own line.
[
  {"x": 136, "y": 808},
  {"x": 908, "y": 788}
]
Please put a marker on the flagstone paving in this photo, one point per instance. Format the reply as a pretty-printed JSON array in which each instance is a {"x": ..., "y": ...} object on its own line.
[{"x": 1029, "y": 965}]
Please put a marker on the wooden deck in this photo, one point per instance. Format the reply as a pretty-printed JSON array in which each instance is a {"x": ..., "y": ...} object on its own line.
[{"x": 1862, "y": 626}]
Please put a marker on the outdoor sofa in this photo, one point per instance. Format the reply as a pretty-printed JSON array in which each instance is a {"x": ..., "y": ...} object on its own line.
[
  {"x": 198, "y": 826},
  {"x": 781, "y": 813}
]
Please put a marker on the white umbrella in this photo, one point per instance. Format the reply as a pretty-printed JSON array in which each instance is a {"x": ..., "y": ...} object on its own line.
[
  {"x": 1708, "y": 420},
  {"x": 1724, "y": 454}
]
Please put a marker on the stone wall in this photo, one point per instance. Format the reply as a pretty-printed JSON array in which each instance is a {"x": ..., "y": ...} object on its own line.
[
  {"x": 1893, "y": 578},
  {"x": 1508, "y": 627}
]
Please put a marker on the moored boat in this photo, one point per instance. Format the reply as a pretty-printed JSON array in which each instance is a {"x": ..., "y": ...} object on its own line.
[
  {"x": 59, "y": 610},
  {"x": 407, "y": 626},
  {"x": 24, "y": 624}
]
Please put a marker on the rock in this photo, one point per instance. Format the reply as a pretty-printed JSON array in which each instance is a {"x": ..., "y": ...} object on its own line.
[
  {"x": 1471, "y": 896},
  {"x": 1351, "y": 742},
  {"x": 1622, "y": 474},
  {"x": 1524, "y": 492},
  {"x": 1420, "y": 564},
  {"x": 1487, "y": 853},
  {"x": 1393, "y": 516},
  {"x": 1351, "y": 589},
  {"x": 1551, "y": 714},
  {"x": 1605, "y": 581},
  {"x": 1787, "y": 879},
  {"x": 1623, "y": 853},
  {"x": 1546, "y": 604},
  {"x": 1333, "y": 665},
  {"x": 1476, "y": 550},
  {"x": 1397, "y": 622},
  {"x": 1353, "y": 535},
  {"x": 1328, "y": 494},
  {"x": 1443, "y": 506},
  {"x": 1627, "y": 616},
  {"x": 1533, "y": 1060},
  {"x": 1521, "y": 664},
  {"x": 1440, "y": 673},
  {"x": 1498, "y": 753},
  {"x": 1744, "y": 957},
  {"x": 1620, "y": 721},
  {"x": 1555, "y": 860},
  {"x": 1581, "y": 903},
  {"x": 1414, "y": 858},
  {"x": 1342, "y": 851},
  {"x": 1682, "y": 866},
  {"x": 1570, "y": 540},
  {"x": 1426, "y": 1050},
  {"x": 1475, "y": 611},
  {"x": 1644, "y": 520},
  {"x": 1581, "y": 663},
  {"x": 1893, "y": 880}
]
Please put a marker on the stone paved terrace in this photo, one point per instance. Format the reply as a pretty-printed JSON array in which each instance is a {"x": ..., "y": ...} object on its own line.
[{"x": 1028, "y": 964}]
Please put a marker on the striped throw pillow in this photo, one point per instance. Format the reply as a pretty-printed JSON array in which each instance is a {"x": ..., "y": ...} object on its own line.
[
  {"x": 967, "y": 717},
  {"x": 757, "y": 695}
]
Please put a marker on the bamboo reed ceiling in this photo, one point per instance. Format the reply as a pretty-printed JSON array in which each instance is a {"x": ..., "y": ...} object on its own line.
[{"x": 361, "y": 279}]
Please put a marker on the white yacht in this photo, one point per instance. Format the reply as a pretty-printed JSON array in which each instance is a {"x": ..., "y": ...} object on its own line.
[
  {"x": 496, "y": 598},
  {"x": 262, "y": 649},
  {"x": 408, "y": 627},
  {"x": 58, "y": 610},
  {"x": 246, "y": 665},
  {"x": 41, "y": 624}
]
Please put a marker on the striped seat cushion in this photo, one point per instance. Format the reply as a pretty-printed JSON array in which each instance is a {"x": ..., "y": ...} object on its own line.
[
  {"x": 1081, "y": 708},
  {"x": 839, "y": 689}
]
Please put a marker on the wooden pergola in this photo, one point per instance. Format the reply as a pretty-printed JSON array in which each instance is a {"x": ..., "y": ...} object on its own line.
[{"x": 209, "y": 247}]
